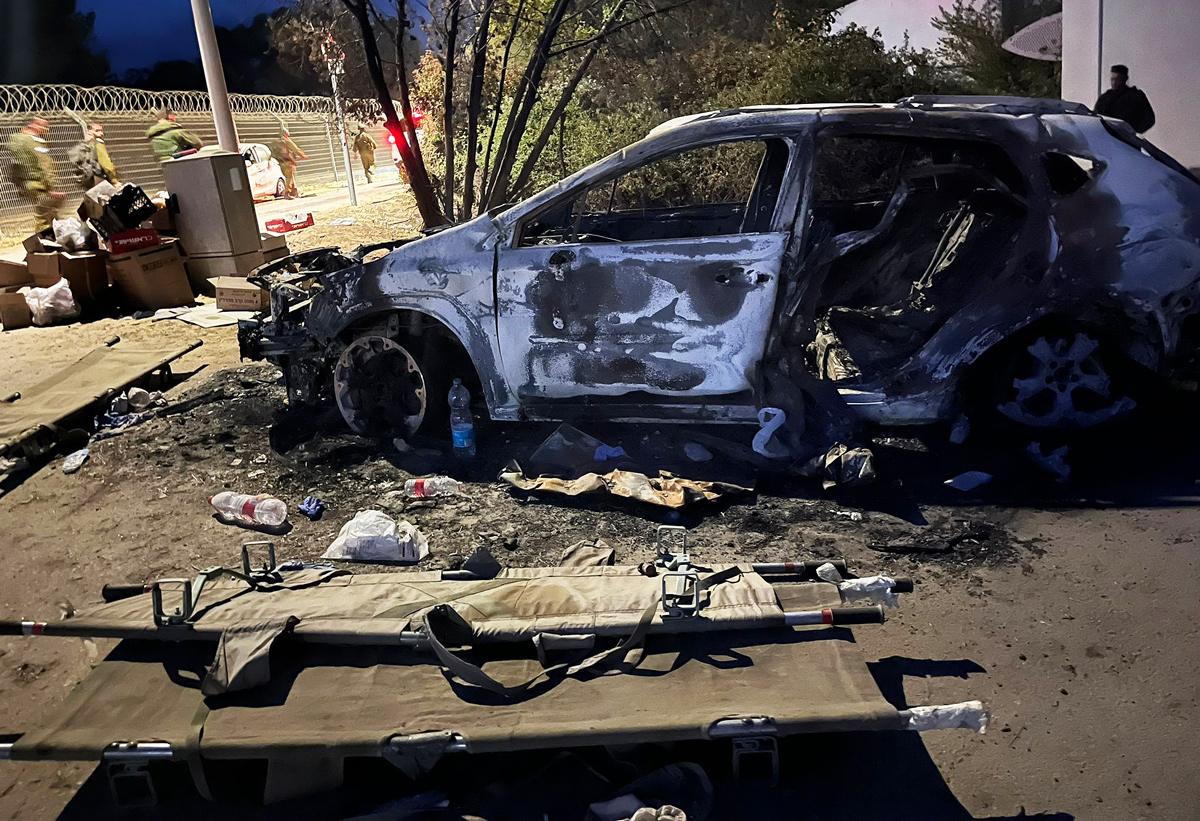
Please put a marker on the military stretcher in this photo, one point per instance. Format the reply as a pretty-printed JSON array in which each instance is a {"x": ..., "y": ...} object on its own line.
[{"x": 306, "y": 667}]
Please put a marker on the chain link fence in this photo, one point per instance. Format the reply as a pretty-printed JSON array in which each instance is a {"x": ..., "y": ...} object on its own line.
[{"x": 127, "y": 113}]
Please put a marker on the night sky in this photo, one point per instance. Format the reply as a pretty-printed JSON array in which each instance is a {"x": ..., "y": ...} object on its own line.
[{"x": 137, "y": 33}]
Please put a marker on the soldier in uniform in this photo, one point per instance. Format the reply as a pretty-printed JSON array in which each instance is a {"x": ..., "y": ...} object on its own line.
[
  {"x": 365, "y": 145},
  {"x": 167, "y": 137},
  {"x": 32, "y": 172},
  {"x": 287, "y": 153}
]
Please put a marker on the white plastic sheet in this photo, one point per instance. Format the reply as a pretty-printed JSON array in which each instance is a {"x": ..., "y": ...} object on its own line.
[
  {"x": 53, "y": 304},
  {"x": 374, "y": 536},
  {"x": 867, "y": 590},
  {"x": 966, "y": 715}
]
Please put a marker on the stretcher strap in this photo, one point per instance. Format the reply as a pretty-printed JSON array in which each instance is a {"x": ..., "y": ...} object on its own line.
[
  {"x": 443, "y": 615},
  {"x": 191, "y": 751},
  {"x": 243, "y": 657}
]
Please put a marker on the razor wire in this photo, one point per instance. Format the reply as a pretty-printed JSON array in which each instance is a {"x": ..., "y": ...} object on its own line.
[
  {"x": 36, "y": 99},
  {"x": 127, "y": 112}
]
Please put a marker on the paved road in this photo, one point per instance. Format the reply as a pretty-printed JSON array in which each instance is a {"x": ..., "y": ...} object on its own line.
[{"x": 327, "y": 199}]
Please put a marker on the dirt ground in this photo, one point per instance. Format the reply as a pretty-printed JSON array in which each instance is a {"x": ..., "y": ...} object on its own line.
[{"x": 1069, "y": 609}]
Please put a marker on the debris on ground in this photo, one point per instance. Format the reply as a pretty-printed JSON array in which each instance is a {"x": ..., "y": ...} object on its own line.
[
  {"x": 311, "y": 507},
  {"x": 240, "y": 508},
  {"x": 664, "y": 490},
  {"x": 843, "y": 466},
  {"x": 1053, "y": 462},
  {"x": 374, "y": 536},
  {"x": 75, "y": 461},
  {"x": 968, "y": 481}
]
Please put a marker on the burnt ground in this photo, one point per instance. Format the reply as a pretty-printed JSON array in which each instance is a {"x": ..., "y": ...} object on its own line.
[{"x": 1069, "y": 609}]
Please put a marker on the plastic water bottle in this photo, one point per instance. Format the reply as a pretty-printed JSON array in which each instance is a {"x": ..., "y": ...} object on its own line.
[
  {"x": 462, "y": 427},
  {"x": 431, "y": 487},
  {"x": 249, "y": 510}
]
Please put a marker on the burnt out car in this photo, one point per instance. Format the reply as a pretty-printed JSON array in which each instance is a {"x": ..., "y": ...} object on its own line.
[{"x": 1026, "y": 255}]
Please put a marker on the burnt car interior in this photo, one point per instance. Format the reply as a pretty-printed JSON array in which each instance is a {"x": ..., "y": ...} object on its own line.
[
  {"x": 902, "y": 230},
  {"x": 716, "y": 190}
]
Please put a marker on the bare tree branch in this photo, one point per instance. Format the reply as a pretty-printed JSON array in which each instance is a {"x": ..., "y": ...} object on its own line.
[
  {"x": 630, "y": 22},
  {"x": 487, "y": 156},
  {"x": 448, "y": 104}
]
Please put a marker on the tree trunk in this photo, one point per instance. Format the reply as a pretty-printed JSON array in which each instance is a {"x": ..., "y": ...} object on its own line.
[
  {"x": 487, "y": 155},
  {"x": 524, "y": 100},
  {"x": 474, "y": 101},
  {"x": 448, "y": 106},
  {"x": 418, "y": 178},
  {"x": 564, "y": 99}
]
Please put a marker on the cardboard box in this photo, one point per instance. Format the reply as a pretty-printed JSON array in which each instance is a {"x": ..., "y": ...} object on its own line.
[
  {"x": 238, "y": 294},
  {"x": 163, "y": 220},
  {"x": 14, "y": 310},
  {"x": 14, "y": 273},
  {"x": 203, "y": 269},
  {"x": 38, "y": 243},
  {"x": 86, "y": 272},
  {"x": 152, "y": 277}
]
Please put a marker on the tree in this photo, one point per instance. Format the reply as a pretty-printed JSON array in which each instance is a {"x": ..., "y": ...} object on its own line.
[
  {"x": 971, "y": 40},
  {"x": 25, "y": 56}
]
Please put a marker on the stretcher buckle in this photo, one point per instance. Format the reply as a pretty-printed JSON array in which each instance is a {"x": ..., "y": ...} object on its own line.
[
  {"x": 248, "y": 565},
  {"x": 180, "y": 615},
  {"x": 756, "y": 757},
  {"x": 680, "y": 594},
  {"x": 130, "y": 784}
]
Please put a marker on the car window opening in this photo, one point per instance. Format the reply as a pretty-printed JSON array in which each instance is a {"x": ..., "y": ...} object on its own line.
[
  {"x": 715, "y": 190},
  {"x": 901, "y": 231}
]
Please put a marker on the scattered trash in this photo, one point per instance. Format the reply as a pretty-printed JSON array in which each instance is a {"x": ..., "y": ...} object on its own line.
[
  {"x": 289, "y": 222},
  {"x": 241, "y": 508},
  {"x": 697, "y": 452},
  {"x": 342, "y": 221},
  {"x": 374, "y": 536},
  {"x": 852, "y": 515},
  {"x": 866, "y": 590},
  {"x": 312, "y": 507},
  {"x": 770, "y": 421},
  {"x": 462, "y": 426},
  {"x": 664, "y": 490},
  {"x": 960, "y": 430},
  {"x": 966, "y": 482},
  {"x": 433, "y": 487},
  {"x": 236, "y": 462},
  {"x": 1054, "y": 462},
  {"x": 75, "y": 461},
  {"x": 209, "y": 315},
  {"x": 254, "y": 474},
  {"x": 842, "y": 466},
  {"x": 138, "y": 399},
  {"x": 967, "y": 715},
  {"x": 604, "y": 453}
]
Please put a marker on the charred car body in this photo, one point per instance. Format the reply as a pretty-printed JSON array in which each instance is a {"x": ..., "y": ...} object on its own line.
[{"x": 899, "y": 254}]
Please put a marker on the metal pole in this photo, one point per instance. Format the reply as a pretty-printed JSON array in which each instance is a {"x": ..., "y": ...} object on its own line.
[
  {"x": 341, "y": 127},
  {"x": 214, "y": 76},
  {"x": 332, "y": 154}
]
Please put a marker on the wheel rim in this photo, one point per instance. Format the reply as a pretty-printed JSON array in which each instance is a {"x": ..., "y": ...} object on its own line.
[
  {"x": 1061, "y": 382},
  {"x": 379, "y": 388}
]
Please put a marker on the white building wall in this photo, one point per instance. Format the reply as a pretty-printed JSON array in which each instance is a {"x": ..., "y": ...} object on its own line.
[{"x": 1160, "y": 42}]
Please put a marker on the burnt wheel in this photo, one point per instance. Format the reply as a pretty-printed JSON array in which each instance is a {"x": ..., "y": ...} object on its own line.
[
  {"x": 1063, "y": 381},
  {"x": 380, "y": 388}
]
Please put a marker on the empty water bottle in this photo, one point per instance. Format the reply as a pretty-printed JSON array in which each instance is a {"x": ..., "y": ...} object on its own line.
[
  {"x": 462, "y": 427},
  {"x": 433, "y": 486},
  {"x": 249, "y": 510}
]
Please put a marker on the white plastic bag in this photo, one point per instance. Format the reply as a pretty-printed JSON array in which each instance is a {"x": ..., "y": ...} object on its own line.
[
  {"x": 71, "y": 233},
  {"x": 374, "y": 536},
  {"x": 53, "y": 304}
]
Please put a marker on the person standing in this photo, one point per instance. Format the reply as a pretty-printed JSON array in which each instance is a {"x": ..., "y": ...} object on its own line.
[
  {"x": 107, "y": 168},
  {"x": 32, "y": 171},
  {"x": 287, "y": 153},
  {"x": 168, "y": 138},
  {"x": 365, "y": 145},
  {"x": 1125, "y": 102}
]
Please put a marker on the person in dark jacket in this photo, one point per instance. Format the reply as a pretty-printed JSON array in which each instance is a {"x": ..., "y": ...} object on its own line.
[{"x": 1126, "y": 102}]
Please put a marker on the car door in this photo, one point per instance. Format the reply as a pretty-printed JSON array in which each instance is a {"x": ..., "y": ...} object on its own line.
[{"x": 659, "y": 278}]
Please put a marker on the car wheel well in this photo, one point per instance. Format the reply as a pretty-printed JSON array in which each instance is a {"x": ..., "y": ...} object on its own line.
[{"x": 426, "y": 338}]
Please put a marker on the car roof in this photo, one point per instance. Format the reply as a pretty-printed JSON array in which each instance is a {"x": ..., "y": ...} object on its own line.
[{"x": 806, "y": 113}]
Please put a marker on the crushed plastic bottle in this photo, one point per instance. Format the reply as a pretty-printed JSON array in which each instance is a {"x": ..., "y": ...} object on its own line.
[
  {"x": 432, "y": 487},
  {"x": 249, "y": 510},
  {"x": 462, "y": 426}
]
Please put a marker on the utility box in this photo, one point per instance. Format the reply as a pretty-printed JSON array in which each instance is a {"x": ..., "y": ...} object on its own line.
[{"x": 216, "y": 208}]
